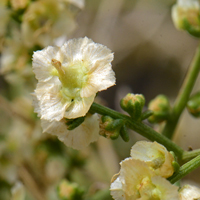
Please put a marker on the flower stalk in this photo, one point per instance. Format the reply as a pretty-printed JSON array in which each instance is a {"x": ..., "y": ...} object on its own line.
[{"x": 183, "y": 95}]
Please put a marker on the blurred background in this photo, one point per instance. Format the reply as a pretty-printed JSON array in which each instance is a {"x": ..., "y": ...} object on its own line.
[{"x": 151, "y": 58}]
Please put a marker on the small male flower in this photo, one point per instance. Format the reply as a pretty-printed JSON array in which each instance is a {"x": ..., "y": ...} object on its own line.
[
  {"x": 136, "y": 181},
  {"x": 69, "y": 78},
  {"x": 189, "y": 192},
  {"x": 155, "y": 156}
]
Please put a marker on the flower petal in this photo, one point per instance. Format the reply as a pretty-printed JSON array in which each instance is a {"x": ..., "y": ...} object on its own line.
[
  {"x": 42, "y": 66},
  {"x": 79, "y": 108},
  {"x": 78, "y": 138}
]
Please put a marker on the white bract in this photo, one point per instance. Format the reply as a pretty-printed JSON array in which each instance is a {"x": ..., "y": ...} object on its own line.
[
  {"x": 155, "y": 155},
  {"x": 137, "y": 181},
  {"x": 69, "y": 78}
]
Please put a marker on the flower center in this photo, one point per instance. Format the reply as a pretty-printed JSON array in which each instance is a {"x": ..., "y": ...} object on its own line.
[{"x": 73, "y": 77}]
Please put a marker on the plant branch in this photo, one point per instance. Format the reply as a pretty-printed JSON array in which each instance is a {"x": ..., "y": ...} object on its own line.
[
  {"x": 183, "y": 95},
  {"x": 188, "y": 155},
  {"x": 139, "y": 127},
  {"x": 185, "y": 169}
]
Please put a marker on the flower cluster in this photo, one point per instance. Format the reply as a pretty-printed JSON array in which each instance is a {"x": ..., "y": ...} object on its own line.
[
  {"x": 142, "y": 176},
  {"x": 68, "y": 79}
]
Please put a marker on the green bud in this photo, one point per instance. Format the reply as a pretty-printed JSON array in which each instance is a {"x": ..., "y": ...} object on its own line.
[
  {"x": 69, "y": 191},
  {"x": 110, "y": 128},
  {"x": 176, "y": 166},
  {"x": 160, "y": 107},
  {"x": 193, "y": 105},
  {"x": 133, "y": 105},
  {"x": 74, "y": 123},
  {"x": 124, "y": 133}
]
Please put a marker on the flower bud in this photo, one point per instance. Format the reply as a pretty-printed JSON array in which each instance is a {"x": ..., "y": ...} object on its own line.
[
  {"x": 110, "y": 128},
  {"x": 160, "y": 107},
  {"x": 193, "y": 105},
  {"x": 124, "y": 133},
  {"x": 69, "y": 191},
  {"x": 133, "y": 105},
  {"x": 185, "y": 15}
]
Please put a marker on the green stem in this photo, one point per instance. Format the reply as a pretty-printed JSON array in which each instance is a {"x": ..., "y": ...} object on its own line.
[
  {"x": 185, "y": 169},
  {"x": 139, "y": 127},
  {"x": 188, "y": 155},
  {"x": 183, "y": 95}
]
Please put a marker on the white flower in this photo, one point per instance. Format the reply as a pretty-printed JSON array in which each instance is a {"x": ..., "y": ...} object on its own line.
[
  {"x": 137, "y": 181},
  {"x": 70, "y": 76},
  {"x": 155, "y": 155},
  {"x": 186, "y": 10},
  {"x": 189, "y": 192}
]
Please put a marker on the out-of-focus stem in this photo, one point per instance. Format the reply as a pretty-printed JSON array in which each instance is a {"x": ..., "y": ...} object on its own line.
[
  {"x": 183, "y": 95},
  {"x": 139, "y": 127},
  {"x": 185, "y": 169},
  {"x": 188, "y": 155},
  {"x": 30, "y": 183}
]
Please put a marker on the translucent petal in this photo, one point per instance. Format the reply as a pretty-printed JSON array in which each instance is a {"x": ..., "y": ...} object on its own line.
[
  {"x": 79, "y": 107},
  {"x": 131, "y": 174},
  {"x": 78, "y": 138},
  {"x": 116, "y": 190},
  {"x": 42, "y": 66},
  {"x": 155, "y": 155},
  {"x": 51, "y": 103},
  {"x": 167, "y": 190}
]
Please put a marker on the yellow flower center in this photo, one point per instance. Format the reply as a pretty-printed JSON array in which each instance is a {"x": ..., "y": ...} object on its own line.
[{"x": 73, "y": 77}]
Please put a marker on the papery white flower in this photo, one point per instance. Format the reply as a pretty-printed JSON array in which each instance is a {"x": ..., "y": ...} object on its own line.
[
  {"x": 189, "y": 192},
  {"x": 78, "y": 138},
  {"x": 186, "y": 10},
  {"x": 46, "y": 20},
  {"x": 155, "y": 155},
  {"x": 137, "y": 181},
  {"x": 69, "y": 78}
]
